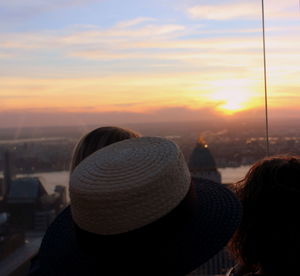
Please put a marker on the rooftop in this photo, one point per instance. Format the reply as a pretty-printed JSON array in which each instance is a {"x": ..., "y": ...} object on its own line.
[
  {"x": 27, "y": 190},
  {"x": 201, "y": 158}
]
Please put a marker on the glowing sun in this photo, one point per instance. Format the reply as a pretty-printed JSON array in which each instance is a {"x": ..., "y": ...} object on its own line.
[{"x": 232, "y": 99}]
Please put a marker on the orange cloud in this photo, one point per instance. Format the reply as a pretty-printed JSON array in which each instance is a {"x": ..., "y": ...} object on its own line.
[
  {"x": 134, "y": 22},
  {"x": 136, "y": 93}
]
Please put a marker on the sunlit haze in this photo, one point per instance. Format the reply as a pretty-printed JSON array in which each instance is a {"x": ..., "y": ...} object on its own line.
[{"x": 76, "y": 62}]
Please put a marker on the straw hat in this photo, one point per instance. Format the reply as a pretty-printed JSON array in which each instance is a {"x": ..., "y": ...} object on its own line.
[{"x": 136, "y": 211}]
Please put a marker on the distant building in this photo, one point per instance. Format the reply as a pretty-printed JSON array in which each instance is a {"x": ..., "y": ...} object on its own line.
[
  {"x": 2, "y": 189},
  {"x": 9, "y": 240},
  {"x": 26, "y": 208},
  {"x": 23, "y": 201},
  {"x": 202, "y": 164},
  {"x": 30, "y": 206},
  {"x": 27, "y": 202},
  {"x": 8, "y": 175}
]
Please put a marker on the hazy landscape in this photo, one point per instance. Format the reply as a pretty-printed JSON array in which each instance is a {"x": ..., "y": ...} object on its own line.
[{"x": 232, "y": 143}]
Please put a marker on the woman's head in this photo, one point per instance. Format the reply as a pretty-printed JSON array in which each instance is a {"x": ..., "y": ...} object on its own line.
[
  {"x": 269, "y": 236},
  {"x": 97, "y": 139}
]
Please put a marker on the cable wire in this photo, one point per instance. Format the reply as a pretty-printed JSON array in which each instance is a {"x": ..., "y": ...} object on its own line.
[{"x": 265, "y": 80}]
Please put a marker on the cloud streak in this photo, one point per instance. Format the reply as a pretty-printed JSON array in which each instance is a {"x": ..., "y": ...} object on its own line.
[
  {"x": 117, "y": 46},
  {"x": 243, "y": 10},
  {"x": 119, "y": 43},
  {"x": 134, "y": 22},
  {"x": 224, "y": 11}
]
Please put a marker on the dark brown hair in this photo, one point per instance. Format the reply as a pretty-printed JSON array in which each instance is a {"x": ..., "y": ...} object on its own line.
[
  {"x": 268, "y": 238},
  {"x": 97, "y": 139}
]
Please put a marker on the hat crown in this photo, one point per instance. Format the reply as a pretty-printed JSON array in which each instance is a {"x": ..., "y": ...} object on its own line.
[{"x": 128, "y": 185}]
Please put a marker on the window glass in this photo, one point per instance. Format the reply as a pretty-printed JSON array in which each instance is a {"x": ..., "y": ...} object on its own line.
[{"x": 188, "y": 70}]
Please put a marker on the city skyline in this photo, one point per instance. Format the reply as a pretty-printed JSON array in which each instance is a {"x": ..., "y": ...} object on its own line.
[{"x": 140, "y": 60}]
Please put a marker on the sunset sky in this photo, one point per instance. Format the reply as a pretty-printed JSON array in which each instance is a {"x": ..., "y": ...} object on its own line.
[{"x": 108, "y": 61}]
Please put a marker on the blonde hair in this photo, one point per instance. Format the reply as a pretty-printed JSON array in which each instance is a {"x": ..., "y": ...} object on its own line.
[{"x": 97, "y": 139}]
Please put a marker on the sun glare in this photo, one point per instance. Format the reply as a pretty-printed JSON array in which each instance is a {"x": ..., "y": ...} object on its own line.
[
  {"x": 230, "y": 102},
  {"x": 232, "y": 98}
]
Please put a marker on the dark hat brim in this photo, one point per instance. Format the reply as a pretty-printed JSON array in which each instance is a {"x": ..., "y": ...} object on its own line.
[{"x": 174, "y": 245}]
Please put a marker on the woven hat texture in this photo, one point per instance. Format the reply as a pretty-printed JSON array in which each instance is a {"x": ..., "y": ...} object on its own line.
[{"x": 128, "y": 185}]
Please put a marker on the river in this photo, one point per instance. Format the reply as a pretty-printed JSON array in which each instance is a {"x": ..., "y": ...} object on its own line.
[{"x": 51, "y": 179}]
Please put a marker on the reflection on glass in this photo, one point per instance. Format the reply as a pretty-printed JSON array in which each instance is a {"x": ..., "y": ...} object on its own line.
[{"x": 190, "y": 71}]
